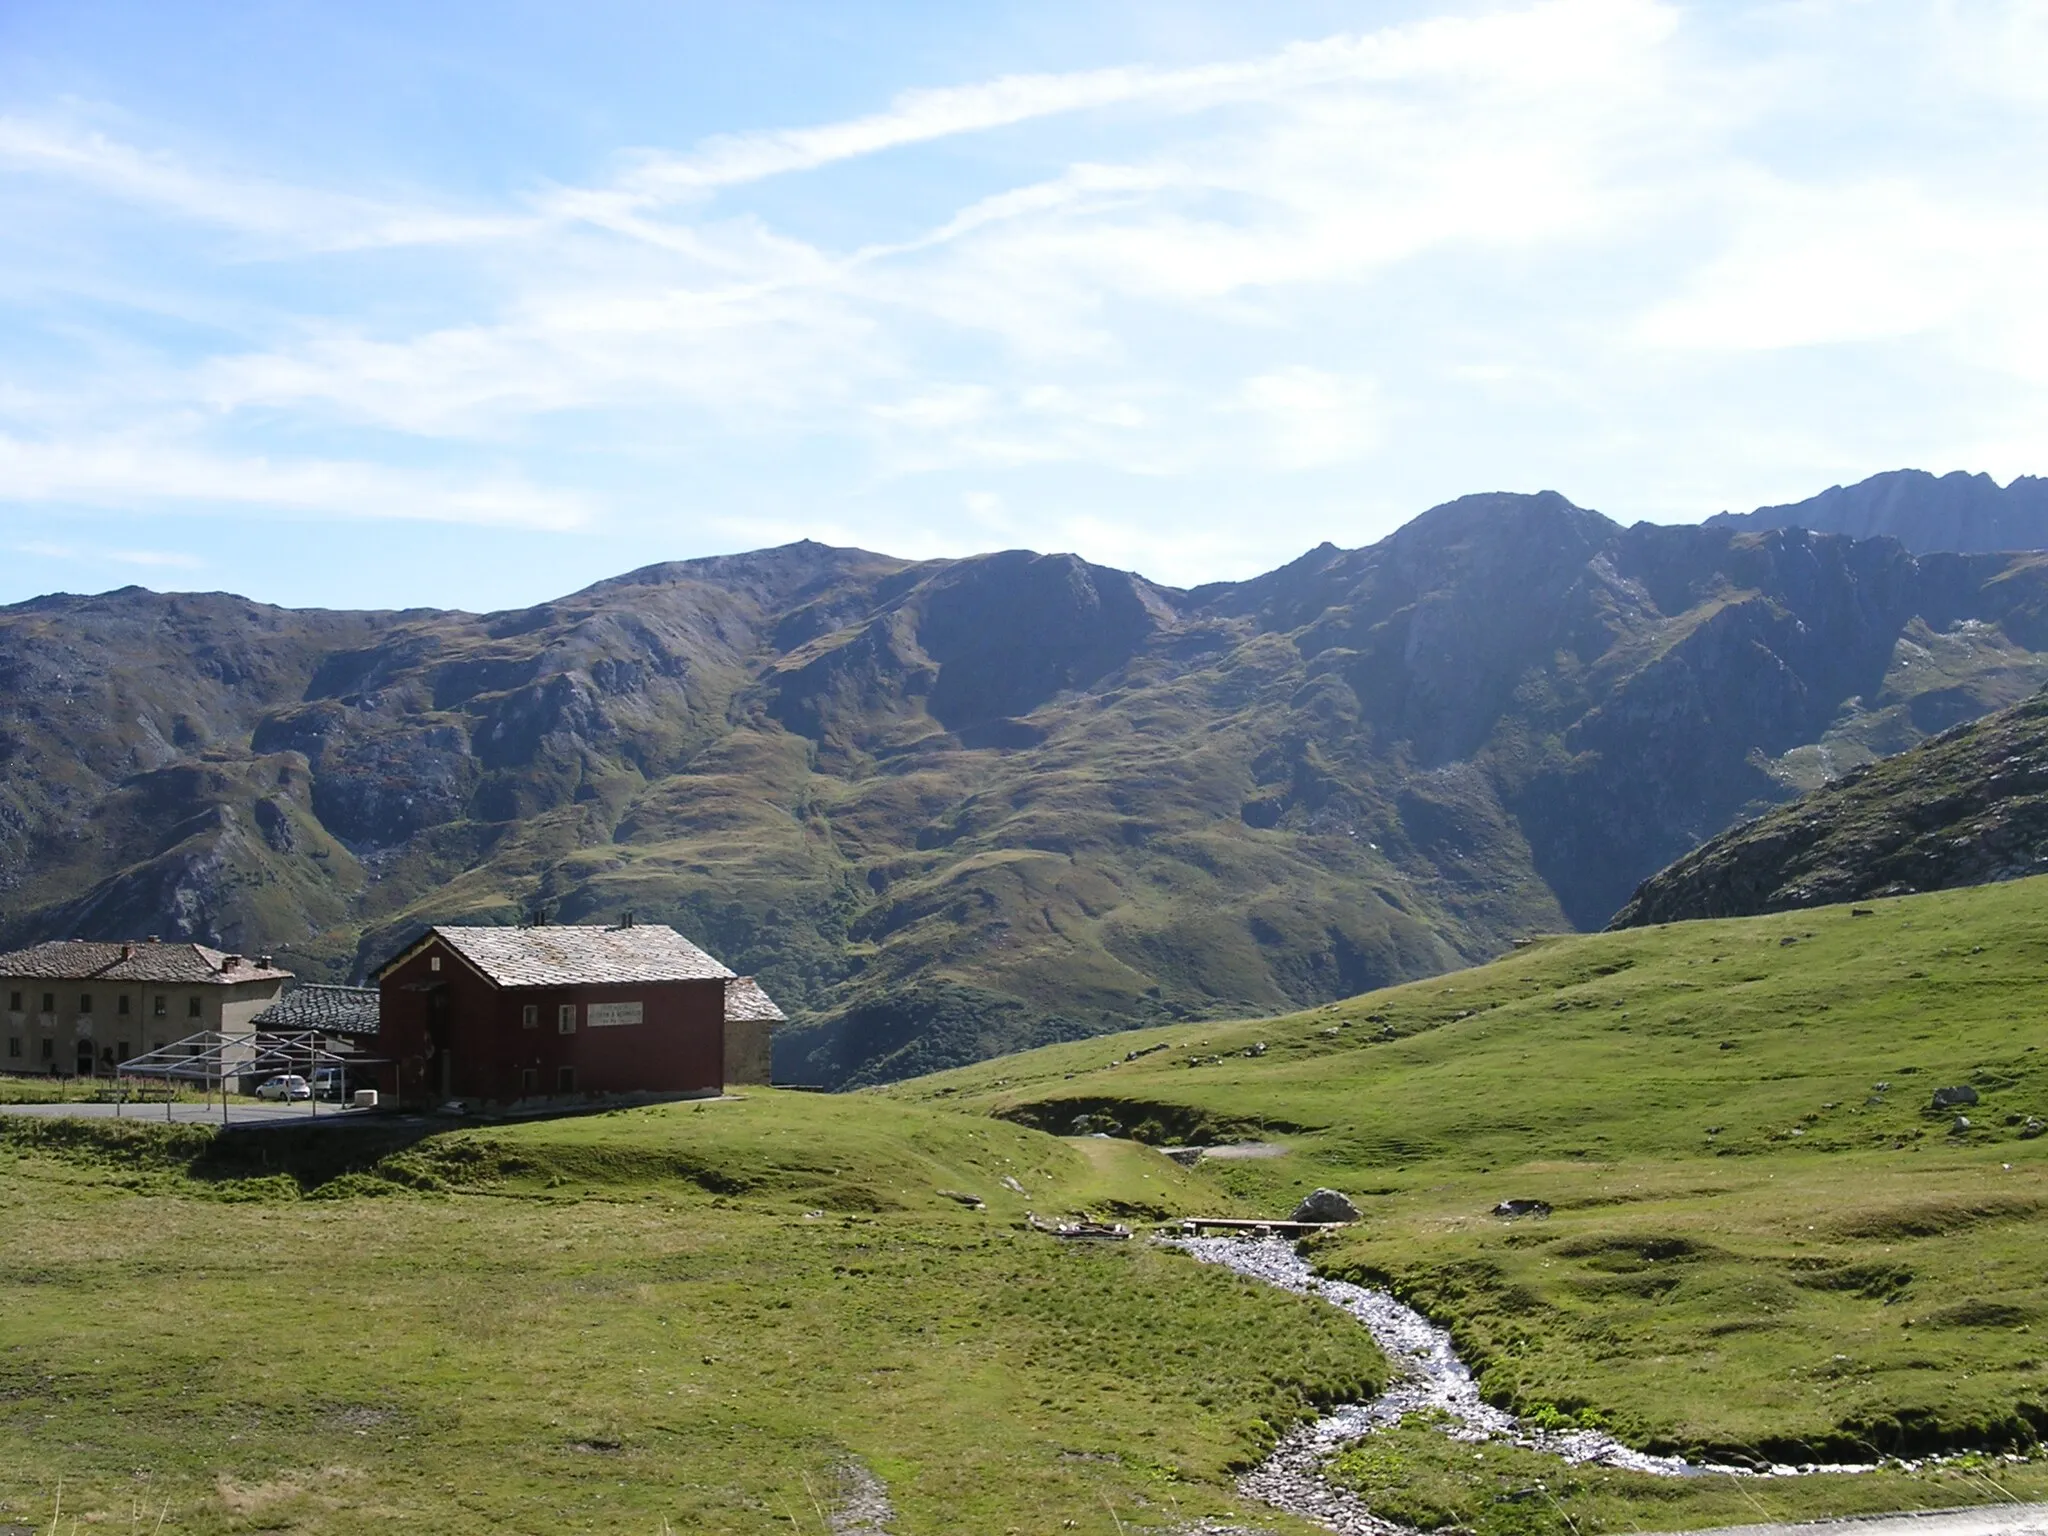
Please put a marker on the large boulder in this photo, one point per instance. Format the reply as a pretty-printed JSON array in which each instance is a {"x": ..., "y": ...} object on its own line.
[
  {"x": 1325, "y": 1205},
  {"x": 1949, "y": 1098}
]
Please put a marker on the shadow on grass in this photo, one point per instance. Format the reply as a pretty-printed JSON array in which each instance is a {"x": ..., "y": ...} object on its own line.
[{"x": 360, "y": 1158}]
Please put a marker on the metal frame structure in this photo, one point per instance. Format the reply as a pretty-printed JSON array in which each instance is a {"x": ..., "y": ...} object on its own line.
[{"x": 211, "y": 1057}]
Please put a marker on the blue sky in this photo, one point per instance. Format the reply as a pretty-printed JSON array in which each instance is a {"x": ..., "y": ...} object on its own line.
[{"x": 378, "y": 304}]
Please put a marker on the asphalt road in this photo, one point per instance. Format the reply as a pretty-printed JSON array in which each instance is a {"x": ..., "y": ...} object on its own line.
[{"x": 241, "y": 1113}]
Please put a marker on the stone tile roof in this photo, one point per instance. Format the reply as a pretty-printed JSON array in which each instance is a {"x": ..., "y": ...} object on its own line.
[
  {"x": 745, "y": 999},
  {"x": 332, "y": 1010},
  {"x": 579, "y": 957},
  {"x": 145, "y": 961}
]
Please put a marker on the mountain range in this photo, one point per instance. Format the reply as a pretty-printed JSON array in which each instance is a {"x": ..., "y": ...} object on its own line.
[{"x": 954, "y": 807}]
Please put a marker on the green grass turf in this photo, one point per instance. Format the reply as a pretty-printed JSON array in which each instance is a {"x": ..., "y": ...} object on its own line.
[
  {"x": 684, "y": 1318},
  {"x": 1754, "y": 1249},
  {"x": 1418, "y": 1476},
  {"x": 1754, "y": 1252}
]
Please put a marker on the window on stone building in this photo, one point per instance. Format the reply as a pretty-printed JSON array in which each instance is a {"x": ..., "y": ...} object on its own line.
[
  {"x": 565, "y": 1079},
  {"x": 14, "y": 1046},
  {"x": 529, "y": 1016},
  {"x": 529, "y": 1080},
  {"x": 565, "y": 1019},
  {"x": 49, "y": 1050},
  {"x": 121, "y": 1051},
  {"x": 191, "y": 1007},
  {"x": 14, "y": 1001},
  {"x": 85, "y": 1002},
  {"x": 121, "y": 1005},
  {"x": 49, "y": 1002},
  {"x": 163, "y": 1006}
]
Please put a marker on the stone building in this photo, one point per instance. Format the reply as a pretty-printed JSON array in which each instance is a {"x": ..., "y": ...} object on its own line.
[
  {"x": 750, "y": 1017},
  {"x": 77, "y": 1007}
]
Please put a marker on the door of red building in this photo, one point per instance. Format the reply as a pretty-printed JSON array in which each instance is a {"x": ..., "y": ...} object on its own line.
[{"x": 440, "y": 1032}]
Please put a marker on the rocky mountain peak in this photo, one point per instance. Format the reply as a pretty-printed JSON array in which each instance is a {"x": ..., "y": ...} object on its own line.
[{"x": 1956, "y": 512}]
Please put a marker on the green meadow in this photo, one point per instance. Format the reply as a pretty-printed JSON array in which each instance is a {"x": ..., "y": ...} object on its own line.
[
  {"x": 686, "y": 1318},
  {"x": 1763, "y": 1244}
]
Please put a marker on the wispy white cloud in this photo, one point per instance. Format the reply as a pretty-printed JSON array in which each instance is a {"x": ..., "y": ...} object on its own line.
[
  {"x": 159, "y": 559},
  {"x": 1558, "y": 40},
  {"x": 136, "y": 471},
  {"x": 1497, "y": 247},
  {"x": 1864, "y": 262},
  {"x": 297, "y": 217},
  {"x": 1312, "y": 418},
  {"x": 1492, "y": 130}
]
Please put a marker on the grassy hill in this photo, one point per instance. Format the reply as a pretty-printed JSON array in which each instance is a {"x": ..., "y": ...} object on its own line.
[
  {"x": 951, "y": 808},
  {"x": 706, "y": 1319},
  {"x": 1734, "y": 1124},
  {"x": 1764, "y": 1242}
]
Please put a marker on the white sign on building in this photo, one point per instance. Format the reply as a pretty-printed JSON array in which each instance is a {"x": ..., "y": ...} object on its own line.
[{"x": 605, "y": 1015}]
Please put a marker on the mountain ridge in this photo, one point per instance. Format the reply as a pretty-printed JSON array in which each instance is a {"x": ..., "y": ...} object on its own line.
[
  {"x": 1957, "y": 512},
  {"x": 949, "y": 807}
]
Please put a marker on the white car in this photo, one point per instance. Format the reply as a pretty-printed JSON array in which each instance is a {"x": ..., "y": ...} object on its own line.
[{"x": 289, "y": 1086}]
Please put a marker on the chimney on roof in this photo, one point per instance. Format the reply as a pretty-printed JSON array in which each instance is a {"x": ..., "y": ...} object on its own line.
[
  {"x": 266, "y": 961},
  {"x": 127, "y": 951},
  {"x": 626, "y": 918},
  {"x": 230, "y": 962},
  {"x": 154, "y": 939}
]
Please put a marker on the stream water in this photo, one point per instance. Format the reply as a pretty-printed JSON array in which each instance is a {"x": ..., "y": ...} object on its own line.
[{"x": 1429, "y": 1376}]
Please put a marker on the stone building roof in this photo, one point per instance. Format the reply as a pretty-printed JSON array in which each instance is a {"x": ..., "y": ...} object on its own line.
[
  {"x": 576, "y": 957},
  {"x": 331, "y": 1010},
  {"x": 745, "y": 999},
  {"x": 140, "y": 961}
]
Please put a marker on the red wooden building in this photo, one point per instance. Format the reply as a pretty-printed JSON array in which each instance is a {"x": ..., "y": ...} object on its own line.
[{"x": 497, "y": 1015}]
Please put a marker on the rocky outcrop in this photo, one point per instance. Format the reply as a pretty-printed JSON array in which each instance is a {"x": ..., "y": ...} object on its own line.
[{"x": 1965, "y": 808}]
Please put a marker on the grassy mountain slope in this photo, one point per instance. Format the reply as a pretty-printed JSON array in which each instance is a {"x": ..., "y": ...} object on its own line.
[
  {"x": 951, "y": 808},
  {"x": 1754, "y": 1195},
  {"x": 1967, "y": 807}
]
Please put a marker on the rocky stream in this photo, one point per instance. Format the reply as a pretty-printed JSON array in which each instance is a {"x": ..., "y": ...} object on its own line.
[{"x": 1430, "y": 1378}]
